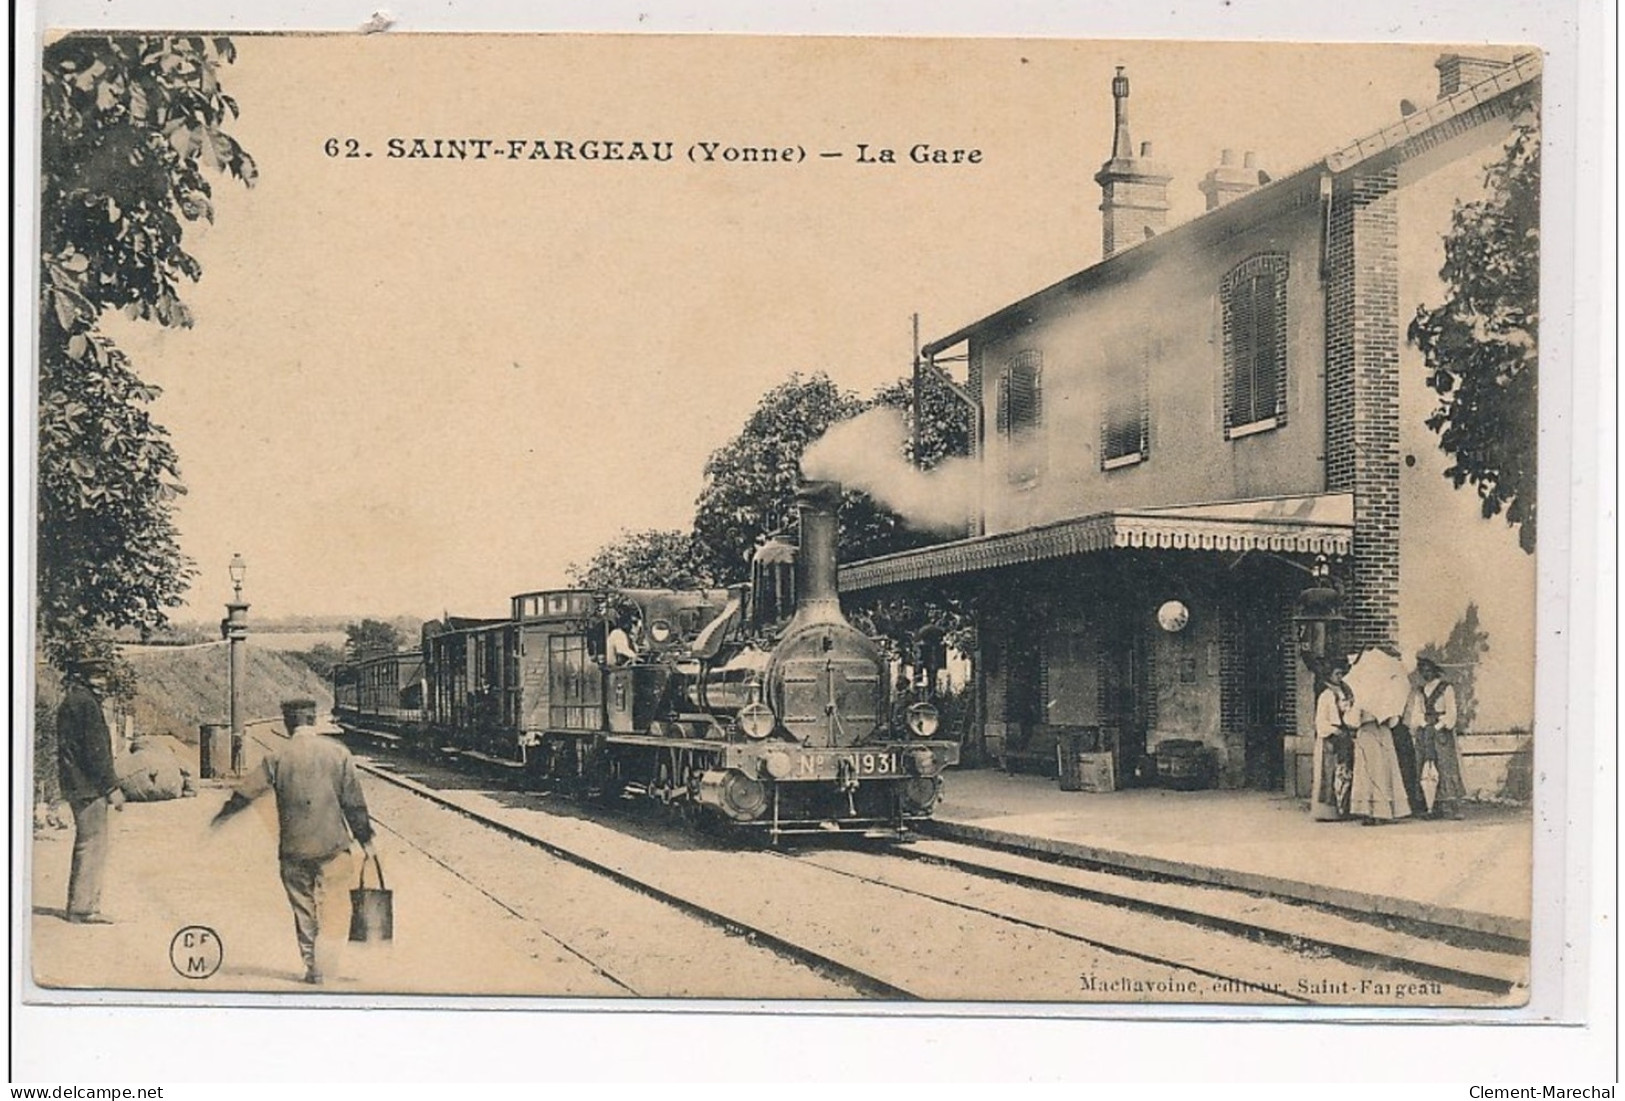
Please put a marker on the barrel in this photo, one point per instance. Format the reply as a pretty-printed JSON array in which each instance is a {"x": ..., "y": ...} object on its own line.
[{"x": 213, "y": 750}]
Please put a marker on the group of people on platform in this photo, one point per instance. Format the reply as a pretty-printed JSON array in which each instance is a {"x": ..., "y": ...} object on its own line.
[{"x": 1380, "y": 764}]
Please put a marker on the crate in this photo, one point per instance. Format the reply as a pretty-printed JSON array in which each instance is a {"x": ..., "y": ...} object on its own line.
[{"x": 1083, "y": 770}]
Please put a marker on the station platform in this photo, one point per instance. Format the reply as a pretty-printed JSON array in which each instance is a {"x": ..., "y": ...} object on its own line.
[
  {"x": 168, "y": 872},
  {"x": 1474, "y": 874}
]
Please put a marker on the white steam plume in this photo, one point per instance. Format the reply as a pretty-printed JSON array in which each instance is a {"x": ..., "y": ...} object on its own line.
[{"x": 866, "y": 453}]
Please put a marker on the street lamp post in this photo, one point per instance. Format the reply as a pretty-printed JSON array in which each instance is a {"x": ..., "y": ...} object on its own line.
[
  {"x": 1318, "y": 618},
  {"x": 235, "y": 629}
]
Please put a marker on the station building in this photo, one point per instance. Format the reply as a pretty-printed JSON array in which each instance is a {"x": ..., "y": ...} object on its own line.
[{"x": 1170, "y": 441}]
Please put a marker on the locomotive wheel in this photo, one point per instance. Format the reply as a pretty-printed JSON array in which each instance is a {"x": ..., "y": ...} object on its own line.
[
  {"x": 663, "y": 790},
  {"x": 604, "y": 779}
]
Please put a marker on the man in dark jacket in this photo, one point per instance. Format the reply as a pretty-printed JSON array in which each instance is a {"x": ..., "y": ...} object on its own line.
[
  {"x": 319, "y": 807},
  {"x": 89, "y": 784}
]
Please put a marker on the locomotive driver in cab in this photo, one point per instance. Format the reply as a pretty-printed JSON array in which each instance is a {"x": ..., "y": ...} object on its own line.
[{"x": 618, "y": 648}]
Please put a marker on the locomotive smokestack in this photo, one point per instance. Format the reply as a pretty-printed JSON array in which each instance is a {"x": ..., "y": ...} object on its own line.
[{"x": 819, "y": 502}]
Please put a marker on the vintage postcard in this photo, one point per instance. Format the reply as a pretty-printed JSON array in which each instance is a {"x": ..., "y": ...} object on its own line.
[{"x": 989, "y": 522}]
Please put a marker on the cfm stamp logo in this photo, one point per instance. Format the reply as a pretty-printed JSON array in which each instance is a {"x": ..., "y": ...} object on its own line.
[{"x": 196, "y": 952}]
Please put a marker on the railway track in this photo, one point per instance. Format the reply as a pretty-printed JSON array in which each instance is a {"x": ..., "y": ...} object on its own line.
[
  {"x": 860, "y": 984},
  {"x": 983, "y": 924}
]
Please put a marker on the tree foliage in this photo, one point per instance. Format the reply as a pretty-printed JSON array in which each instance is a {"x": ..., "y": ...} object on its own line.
[
  {"x": 947, "y": 424},
  {"x": 1481, "y": 345},
  {"x": 129, "y": 125},
  {"x": 371, "y": 638},
  {"x": 750, "y": 482},
  {"x": 650, "y": 559}
]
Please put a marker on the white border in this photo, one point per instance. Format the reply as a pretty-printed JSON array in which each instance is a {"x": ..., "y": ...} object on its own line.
[{"x": 1575, "y": 847}]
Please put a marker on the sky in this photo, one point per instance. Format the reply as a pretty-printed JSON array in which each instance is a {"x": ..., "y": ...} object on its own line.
[{"x": 418, "y": 386}]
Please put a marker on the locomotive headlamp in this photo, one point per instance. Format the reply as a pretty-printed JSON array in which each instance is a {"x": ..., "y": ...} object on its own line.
[
  {"x": 660, "y": 630},
  {"x": 923, "y": 720},
  {"x": 756, "y": 720}
]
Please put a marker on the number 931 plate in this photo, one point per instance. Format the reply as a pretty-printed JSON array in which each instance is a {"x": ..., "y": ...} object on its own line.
[{"x": 816, "y": 764}]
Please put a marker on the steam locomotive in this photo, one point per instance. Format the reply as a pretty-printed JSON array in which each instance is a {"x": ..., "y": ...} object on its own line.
[{"x": 759, "y": 706}]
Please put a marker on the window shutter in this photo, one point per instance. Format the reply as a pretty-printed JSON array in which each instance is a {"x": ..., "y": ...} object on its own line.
[
  {"x": 1145, "y": 399},
  {"x": 973, "y": 384},
  {"x": 1025, "y": 396},
  {"x": 1125, "y": 427},
  {"x": 1035, "y": 387},
  {"x": 1254, "y": 310},
  {"x": 1020, "y": 409},
  {"x": 1277, "y": 338},
  {"x": 1244, "y": 394},
  {"x": 1263, "y": 346}
]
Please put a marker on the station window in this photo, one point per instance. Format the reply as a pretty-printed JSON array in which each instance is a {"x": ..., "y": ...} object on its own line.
[
  {"x": 1253, "y": 302},
  {"x": 1020, "y": 416},
  {"x": 1125, "y": 428}
]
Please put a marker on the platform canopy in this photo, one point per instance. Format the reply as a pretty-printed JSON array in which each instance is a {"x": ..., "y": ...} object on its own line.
[{"x": 1309, "y": 525}]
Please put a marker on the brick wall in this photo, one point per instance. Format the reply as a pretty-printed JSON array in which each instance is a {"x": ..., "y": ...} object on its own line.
[
  {"x": 1232, "y": 689},
  {"x": 1362, "y": 392},
  {"x": 1130, "y": 207}
]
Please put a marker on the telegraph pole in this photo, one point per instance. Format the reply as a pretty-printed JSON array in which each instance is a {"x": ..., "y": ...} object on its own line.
[{"x": 918, "y": 412}]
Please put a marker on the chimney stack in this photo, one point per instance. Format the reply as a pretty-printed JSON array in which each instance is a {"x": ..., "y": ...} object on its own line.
[
  {"x": 1457, "y": 71},
  {"x": 1230, "y": 181},
  {"x": 817, "y": 598},
  {"x": 1134, "y": 190}
]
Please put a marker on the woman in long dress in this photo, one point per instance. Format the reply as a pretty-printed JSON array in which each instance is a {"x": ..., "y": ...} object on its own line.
[
  {"x": 1378, "y": 793},
  {"x": 1381, "y": 690},
  {"x": 1334, "y": 748}
]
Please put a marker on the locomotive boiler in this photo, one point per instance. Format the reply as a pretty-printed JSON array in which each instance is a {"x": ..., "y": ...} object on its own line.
[{"x": 758, "y": 706}]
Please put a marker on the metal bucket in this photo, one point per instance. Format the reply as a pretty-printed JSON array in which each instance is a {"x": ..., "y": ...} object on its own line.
[{"x": 372, "y": 909}]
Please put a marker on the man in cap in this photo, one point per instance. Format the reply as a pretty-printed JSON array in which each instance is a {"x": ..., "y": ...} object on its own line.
[
  {"x": 319, "y": 809},
  {"x": 85, "y": 760}
]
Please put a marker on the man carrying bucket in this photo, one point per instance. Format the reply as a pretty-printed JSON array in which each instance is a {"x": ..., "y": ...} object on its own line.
[{"x": 319, "y": 808}]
